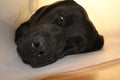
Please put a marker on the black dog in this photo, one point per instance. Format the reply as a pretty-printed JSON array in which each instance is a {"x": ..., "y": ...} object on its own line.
[{"x": 55, "y": 31}]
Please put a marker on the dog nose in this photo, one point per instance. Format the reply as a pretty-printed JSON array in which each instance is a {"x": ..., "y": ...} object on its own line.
[{"x": 39, "y": 45}]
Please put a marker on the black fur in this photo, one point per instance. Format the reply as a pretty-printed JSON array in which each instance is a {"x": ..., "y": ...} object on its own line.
[{"x": 55, "y": 31}]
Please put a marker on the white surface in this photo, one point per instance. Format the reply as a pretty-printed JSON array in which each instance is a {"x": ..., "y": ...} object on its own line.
[{"x": 11, "y": 66}]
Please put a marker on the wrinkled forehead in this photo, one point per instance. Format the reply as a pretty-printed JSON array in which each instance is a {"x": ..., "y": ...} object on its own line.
[
  {"x": 66, "y": 6},
  {"x": 61, "y": 5}
]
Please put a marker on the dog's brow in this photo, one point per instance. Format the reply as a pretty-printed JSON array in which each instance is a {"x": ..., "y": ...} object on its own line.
[
  {"x": 53, "y": 6},
  {"x": 49, "y": 8}
]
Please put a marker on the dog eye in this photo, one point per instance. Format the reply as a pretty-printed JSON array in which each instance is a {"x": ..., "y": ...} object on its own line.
[
  {"x": 61, "y": 21},
  {"x": 61, "y": 18}
]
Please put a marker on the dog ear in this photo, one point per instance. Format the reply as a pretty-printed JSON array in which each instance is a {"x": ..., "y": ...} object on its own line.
[{"x": 98, "y": 44}]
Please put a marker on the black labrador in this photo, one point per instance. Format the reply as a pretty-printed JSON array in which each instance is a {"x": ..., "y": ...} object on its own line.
[{"x": 55, "y": 31}]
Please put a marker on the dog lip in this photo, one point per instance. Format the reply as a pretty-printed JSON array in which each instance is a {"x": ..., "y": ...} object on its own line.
[
  {"x": 41, "y": 53},
  {"x": 36, "y": 64}
]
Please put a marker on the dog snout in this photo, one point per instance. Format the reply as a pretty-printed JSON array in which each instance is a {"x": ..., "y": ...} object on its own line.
[
  {"x": 40, "y": 45},
  {"x": 38, "y": 42}
]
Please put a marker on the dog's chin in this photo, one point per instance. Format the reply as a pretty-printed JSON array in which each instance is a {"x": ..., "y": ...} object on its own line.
[{"x": 36, "y": 62}]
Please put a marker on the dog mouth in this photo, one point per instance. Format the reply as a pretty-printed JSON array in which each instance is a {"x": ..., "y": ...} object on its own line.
[
  {"x": 42, "y": 60},
  {"x": 39, "y": 59}
]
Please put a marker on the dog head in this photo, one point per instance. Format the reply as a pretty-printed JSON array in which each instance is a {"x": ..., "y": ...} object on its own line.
[{"x": 54, "y": 31}]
